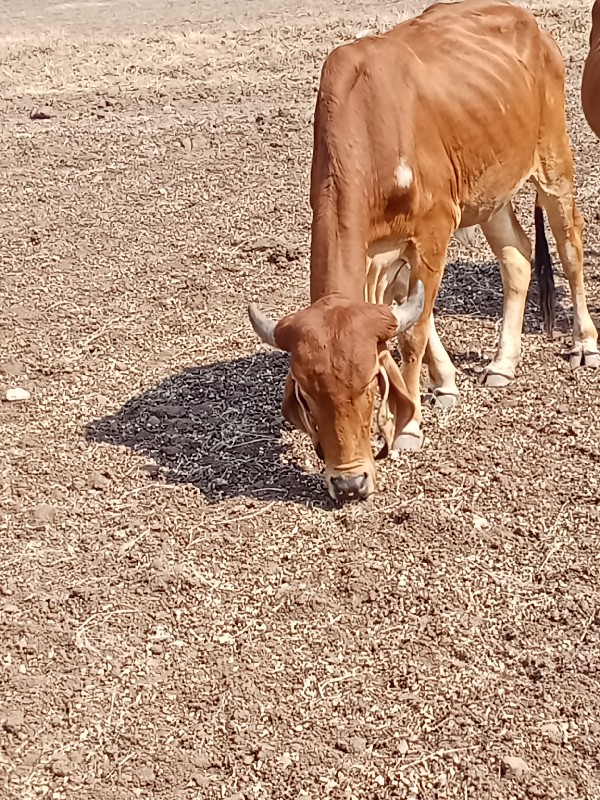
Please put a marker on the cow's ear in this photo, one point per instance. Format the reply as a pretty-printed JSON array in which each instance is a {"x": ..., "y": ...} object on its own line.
[
  {"x": 295, "y": 410},
  {"x": 380, "y": 322},
  {"x": 290, "y": 408},
  {"x": 286, "y": 333}
]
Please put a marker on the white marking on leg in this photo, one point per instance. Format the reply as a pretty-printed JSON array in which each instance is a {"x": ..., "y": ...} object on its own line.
[
  {"x": 442, "y": 370},
  {"x": 512, "y": 248},
  {"x": 414, "y": 427},
  {"x": 403, "y": 174}
]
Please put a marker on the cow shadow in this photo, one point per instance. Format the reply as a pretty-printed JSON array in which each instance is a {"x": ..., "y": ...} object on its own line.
[{"x": 219, "y": 428}]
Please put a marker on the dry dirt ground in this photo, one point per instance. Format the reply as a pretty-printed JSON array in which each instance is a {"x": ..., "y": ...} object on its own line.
[{"x": 182, "y": 612}]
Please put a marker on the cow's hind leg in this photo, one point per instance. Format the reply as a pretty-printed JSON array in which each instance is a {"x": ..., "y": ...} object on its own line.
[
  {"x": 567, "y": 226},
  {"x": 512, "y": 248}
]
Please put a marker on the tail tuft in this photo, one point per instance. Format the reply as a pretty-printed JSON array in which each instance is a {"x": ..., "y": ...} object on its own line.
[{"x": 543, "y": 272}]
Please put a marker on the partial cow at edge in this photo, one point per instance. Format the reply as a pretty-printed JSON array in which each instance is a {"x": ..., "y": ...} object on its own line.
[
  {"x": 590, "y": 82},
  {"x": 419, "y": 135}
]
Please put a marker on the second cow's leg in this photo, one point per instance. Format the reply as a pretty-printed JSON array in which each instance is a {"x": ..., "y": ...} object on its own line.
[
  {"x": 512, "y": 248},
  {"x": 567, "y": 226},
  {"x": 413, "y": 344}
]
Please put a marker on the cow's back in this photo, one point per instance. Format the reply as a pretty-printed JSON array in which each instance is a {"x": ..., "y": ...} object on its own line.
[
  {"x": 461, "y": 84},
  {"x": 480, "y": 72}
]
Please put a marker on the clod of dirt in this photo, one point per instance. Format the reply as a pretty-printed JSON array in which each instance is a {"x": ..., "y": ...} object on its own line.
[
  {"x": 200, "y": 760},
  {"x": 16, "y": 394},
  {"x": 60, "y": 767},
  {"x": 514, "y": 765},
  {"x": 13, "y": 722},
  {"x": 146, "y": 775},
  {"x": 262, "y": 244},
  {"x": 358, "y": 744},
  {"x": 12, "y": 367},
  {"x": 44, "y": 513},
  {"x": 43, "y": 112},
  {"x": 552, "y": 732},
  {"x": 264, "y": 752},
  {"x": 97, "y": 480}
]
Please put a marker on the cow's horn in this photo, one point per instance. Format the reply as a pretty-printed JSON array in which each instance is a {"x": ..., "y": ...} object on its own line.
[
  {"x": 410, "y": 311},
  {"x": 262, "y": 324}
]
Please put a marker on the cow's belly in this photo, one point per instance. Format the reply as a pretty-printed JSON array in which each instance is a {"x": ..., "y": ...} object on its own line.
[{"x": 491, "y": 193}]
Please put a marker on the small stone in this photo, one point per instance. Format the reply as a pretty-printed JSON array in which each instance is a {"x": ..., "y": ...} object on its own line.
[
  {"x": 480, "y": 523},
  {"x": 402, "y": 747},
  {"x": 514, "y": 765},
  {"x": 17, "y": 394}
]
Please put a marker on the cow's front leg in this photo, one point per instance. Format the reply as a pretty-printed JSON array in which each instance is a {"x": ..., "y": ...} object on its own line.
[
  {"x": 443, "y": 391},
  {"x": 413, "y": 344}
]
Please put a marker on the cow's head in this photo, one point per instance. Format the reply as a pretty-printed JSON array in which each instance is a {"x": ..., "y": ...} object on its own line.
[{"x": 339, "y": 360}]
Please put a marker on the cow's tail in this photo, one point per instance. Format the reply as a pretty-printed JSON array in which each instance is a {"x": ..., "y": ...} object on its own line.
[{"x": 544, "y": 274}]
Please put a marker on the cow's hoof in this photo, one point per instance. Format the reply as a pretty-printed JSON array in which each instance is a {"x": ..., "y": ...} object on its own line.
[
  {"x": 408, "y": 441},
  {"x": 439, "y": 399},
  {"x": 578, "y": 357},
  {"x": 495, "y": 380}
]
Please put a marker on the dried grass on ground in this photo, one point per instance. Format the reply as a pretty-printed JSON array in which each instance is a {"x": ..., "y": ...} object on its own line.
[{"x": 183, "y": 613}]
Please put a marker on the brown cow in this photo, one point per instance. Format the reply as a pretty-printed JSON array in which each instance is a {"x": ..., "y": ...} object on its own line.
[
  {"x": 427, "y": 130},
  {"x": 590, "y": 82}
]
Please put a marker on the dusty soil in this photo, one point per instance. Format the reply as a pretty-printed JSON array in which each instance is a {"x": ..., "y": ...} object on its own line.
[{"x": 182, "y": 612}]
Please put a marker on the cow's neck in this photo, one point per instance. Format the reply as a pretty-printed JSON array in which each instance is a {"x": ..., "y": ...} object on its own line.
[{"x": 338, "y": 250}]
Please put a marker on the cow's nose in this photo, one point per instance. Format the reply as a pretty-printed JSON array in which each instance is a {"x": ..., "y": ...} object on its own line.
[{"x": 350, "y": 487}]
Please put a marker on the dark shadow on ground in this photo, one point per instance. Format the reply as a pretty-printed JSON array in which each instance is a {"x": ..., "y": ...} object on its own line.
[
  {"x": 474, "y": 290},
  {"x": 217, "y": 427}
]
